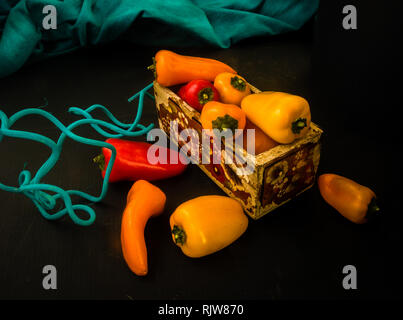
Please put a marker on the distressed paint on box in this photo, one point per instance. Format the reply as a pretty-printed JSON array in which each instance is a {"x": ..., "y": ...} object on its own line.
[{"x": 280, "y": 174}]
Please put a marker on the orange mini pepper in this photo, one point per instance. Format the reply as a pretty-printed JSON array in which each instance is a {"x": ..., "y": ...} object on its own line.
[
  {"x": 144, "y": 200},
  {"x": 355, "y": 202},
  {"x": 232, "y": 87},
  {"x": 171, "y": 68},
  {"x": 221, "y": 116},
  {"x": 262, "y": 141}
]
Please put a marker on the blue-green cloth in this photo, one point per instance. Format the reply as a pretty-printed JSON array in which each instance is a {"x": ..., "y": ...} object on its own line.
[{"x": 161, "y": 23}]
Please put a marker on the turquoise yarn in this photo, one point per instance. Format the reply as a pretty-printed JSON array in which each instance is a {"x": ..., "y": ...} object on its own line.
[{"x": 45, "y": 196}]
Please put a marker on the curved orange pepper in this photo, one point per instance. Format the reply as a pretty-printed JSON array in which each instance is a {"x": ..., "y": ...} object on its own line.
[
  {"x": 232, "y": 87},
  {"x": 221, "y": 116},
  {"x": 171, "y": 68},
  {"x": 144, "y": 200},
  {"x": 352, "y": 200}
]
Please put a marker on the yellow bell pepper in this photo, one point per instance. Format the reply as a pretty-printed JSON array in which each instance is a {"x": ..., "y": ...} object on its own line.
[
  {"x": 282, "y": 116},
  {"x": 207, "y": 224}
]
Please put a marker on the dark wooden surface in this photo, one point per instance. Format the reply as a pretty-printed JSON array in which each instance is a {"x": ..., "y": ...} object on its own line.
[{"x": 297, "y": 252}]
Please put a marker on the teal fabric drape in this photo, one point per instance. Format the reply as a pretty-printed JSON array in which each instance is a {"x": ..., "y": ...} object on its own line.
[{"x": 81, "y": 23}]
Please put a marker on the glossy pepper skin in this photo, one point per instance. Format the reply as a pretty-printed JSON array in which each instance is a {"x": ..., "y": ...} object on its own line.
[
  {"x": 144, "y": 201},
  {"x": 198, "y": 92},
  {"x": 132, "y": 162},
  {"x": 232, "y": 87},
  {"x": 207, "y": 224},
  {"x": 282, "y": 116},
  {"x": 171, "y": 68},
  {"x": 221, "y": 116},
  {"x": 355, "y": 202}
]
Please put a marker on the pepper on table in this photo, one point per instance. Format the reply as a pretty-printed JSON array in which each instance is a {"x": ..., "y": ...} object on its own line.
[
  {"x": 133, "y": 161},
  {"x": 207, "y": 224},
  {"x": 355, "y": 202},
  {"x": 144, "y": 201}
]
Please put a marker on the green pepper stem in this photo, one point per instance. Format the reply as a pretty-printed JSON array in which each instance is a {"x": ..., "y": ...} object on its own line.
[
  {"x": 298, "y": 125},
  {"x": 179, "y": 235},
  {"x": 153, "y": 68},
  {"x": 100, "y": 161},
  {"x": 373, "y": 210},
  {"x": 226, "y": 122},
  {"x": 205, "y": 95},
  {"x": 238, "y": 83}
]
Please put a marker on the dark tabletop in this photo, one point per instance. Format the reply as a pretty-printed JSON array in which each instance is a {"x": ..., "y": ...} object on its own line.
[{"x": 296, "y": 252}]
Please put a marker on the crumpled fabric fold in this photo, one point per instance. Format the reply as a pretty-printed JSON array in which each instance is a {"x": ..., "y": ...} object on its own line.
[{"x": 181, "y": 23}]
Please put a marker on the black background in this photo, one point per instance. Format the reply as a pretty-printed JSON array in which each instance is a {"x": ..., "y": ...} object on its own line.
[{"x": 296, "y": 252}]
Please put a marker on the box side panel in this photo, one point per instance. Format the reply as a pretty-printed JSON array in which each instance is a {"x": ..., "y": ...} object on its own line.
[{"x": 289, "y": 176}]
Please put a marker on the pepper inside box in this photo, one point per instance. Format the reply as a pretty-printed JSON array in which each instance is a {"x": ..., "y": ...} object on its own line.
[{"x": 280, "y": 173}]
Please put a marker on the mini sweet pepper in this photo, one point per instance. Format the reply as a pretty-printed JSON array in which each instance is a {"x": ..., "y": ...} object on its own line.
[
  {"x": 207, "y": 224},
  {"x": 198, "y": 92},
  {"x": 232, "y": 87},
  {"x": 134, "y": 161},
  {"x": 352, "y": 200},
  {"x": 282, "y": 116},
  {"x": 222, "y": 116}
]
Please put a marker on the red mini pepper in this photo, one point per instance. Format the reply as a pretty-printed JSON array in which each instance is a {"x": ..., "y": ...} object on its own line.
[
  {"x": 198, "y": 92},
  {"x": 132, "y": 162}
]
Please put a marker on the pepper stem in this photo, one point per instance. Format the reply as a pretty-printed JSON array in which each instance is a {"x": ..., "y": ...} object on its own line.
[
  {"x": 238, "y": 83},
  {"x": 100, "y": 161},
  {"x": 153, "y": 68},
  {"x": 226, "y": 122},
  {"x": 179, "y": 235},
  {"x": 298, "y": 125},
  {"x": 205, "y": 95},
  {"x": 373, "y": 210}
]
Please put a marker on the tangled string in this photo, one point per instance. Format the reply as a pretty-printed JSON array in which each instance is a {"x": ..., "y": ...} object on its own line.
[{"x": 43, "y": 195}]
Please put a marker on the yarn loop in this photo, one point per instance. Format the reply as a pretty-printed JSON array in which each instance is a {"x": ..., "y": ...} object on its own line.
[{"x": 45, "y": 196}]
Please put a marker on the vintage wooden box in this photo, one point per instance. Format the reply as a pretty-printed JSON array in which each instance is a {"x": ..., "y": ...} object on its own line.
[{"x": 279, "y": 174}]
